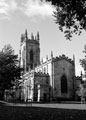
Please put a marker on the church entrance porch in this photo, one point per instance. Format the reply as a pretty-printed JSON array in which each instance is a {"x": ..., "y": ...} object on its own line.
[{"x": 42, "y": 93}]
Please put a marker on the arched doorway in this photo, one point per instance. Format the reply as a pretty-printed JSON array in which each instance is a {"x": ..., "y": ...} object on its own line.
[{"x": 64, "y": 86}]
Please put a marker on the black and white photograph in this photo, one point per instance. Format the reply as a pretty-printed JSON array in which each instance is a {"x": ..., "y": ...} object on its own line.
[{"x": 42, "y": 59}]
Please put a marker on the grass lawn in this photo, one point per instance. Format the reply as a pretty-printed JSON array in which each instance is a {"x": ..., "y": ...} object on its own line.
[{"x": 35, "y": 113}]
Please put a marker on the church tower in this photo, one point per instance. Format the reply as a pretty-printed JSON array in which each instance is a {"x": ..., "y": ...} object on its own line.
[{"x": 29, "y": 51}]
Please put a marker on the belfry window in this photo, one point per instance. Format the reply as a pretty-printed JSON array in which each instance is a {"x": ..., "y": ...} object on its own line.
[
  {"x": 64, "y": 88},
  {"x": 31, "y": 55}
]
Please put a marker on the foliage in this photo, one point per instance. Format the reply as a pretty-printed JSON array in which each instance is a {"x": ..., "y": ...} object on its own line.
[
  {"x": 83, "y": 61},
  {"x": 81, "y": 91},
  {"x": 70, "y": 16},
  {"x": 9, "y": 68}
]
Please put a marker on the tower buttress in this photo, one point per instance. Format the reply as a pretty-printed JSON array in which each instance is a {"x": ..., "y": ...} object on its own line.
[
  {"x": 26, "y": 33},
  {"x": 74, "y": 58},
  {"x": 51, "y": 54},
  {"x": 32, "y": 36},
  {"x": 23, "y": 52},
  {"x": 38, "y": 37},
  {"x": 30, "y": 52}
]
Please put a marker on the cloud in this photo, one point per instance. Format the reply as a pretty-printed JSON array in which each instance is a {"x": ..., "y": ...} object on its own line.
[
  {"x": 31, "y": 8},
  {"x": 13, "y": 5},
  {"x": 6, "y": 7},
  {"x": 38, "y": 8}
]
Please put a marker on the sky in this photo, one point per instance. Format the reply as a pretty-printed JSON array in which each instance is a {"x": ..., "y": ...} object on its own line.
[{"x": 37, "y": 16}]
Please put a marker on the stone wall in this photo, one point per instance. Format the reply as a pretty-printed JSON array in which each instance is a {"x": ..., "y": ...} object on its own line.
[
  {"x": 31, "y": 82},
  {"x": 63, "y": 67},
  {"x": 41, "y": 83}
]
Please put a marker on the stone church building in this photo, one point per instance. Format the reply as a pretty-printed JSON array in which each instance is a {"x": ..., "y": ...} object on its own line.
[{"x": 45, "y": 81}]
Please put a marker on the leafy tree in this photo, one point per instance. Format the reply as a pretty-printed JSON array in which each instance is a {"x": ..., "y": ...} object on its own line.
[
  {"x": 83, "y": 61},
  {"x": 9, "y": 68},
  {"x": 70, "y": 16},
  {"x": 81, "y": 91}
]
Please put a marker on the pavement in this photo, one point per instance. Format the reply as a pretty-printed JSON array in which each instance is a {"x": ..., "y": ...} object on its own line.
[{"x": 49, "y": 105}]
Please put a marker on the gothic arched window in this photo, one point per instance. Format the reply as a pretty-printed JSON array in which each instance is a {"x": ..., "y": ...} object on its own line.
[
  {"x": 64, "y": 88},
  {"x": 31, "y": 55}
]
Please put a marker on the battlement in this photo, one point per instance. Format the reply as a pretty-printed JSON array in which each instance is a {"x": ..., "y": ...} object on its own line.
[
  {"x": 32, "y": 72},
  {"x": 41, "y": 74},
  {"x": 63, "y": 57},
  {"x": 24, "y": 37}
]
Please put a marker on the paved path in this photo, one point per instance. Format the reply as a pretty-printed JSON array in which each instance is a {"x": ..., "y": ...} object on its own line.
[
  {"x": 52, "y": 105},
  {"x": 63, "y": 106}
]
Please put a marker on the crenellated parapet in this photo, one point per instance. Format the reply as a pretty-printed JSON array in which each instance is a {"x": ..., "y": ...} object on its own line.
[
  {"x": 41, "y": 74},
  {"x": 24, "y": 37},
  {"x": 64, "y": 57},
  {"x": 32, "y": 73}
]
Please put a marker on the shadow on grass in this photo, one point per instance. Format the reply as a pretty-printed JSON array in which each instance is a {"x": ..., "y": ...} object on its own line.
[{"x": 37, "y": 113}]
